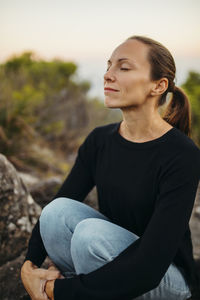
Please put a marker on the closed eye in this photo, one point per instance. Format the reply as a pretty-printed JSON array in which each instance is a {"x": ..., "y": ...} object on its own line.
[{"x": 123, "y": 69}]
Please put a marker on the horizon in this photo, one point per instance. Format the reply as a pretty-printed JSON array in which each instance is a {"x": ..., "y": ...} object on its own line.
[{"x": 86, "y": 32}]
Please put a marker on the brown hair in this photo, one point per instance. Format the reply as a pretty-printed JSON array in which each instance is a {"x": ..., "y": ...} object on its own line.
[{"x": 178, "y": 111}]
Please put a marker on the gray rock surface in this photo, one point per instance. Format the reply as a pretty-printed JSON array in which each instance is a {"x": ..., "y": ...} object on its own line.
[
  {"x": 43, "y": 191},
  {"x": 195, "y": 226},
  {"x": 11, "y": 287},
  {"x": 18, "y": 214}
]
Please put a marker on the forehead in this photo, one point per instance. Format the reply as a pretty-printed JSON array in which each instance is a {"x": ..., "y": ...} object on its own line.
[{"x": 133, "y": 50}]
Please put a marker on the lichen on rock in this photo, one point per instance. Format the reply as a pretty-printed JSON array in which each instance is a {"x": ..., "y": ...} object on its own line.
[{"x": 19, "y": 212}]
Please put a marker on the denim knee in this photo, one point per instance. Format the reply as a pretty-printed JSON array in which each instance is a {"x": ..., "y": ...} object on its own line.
[
  {"x": 89, "y": 239},
  {"x": 51, "y": 216},
  {"x": 89, "y": 250},
  {"x": 55, "y": 208}
]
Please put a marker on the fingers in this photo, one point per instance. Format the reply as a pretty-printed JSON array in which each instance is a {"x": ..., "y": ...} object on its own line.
[
  {"x": 42, "y": 291},
  {"x": 45, "y": 296},
  {"x": 51, "y": 275},
  {"x": 34, "y": 282},
  {"x": 53, "y": 267},
  {"x": 47, "y": 274}
]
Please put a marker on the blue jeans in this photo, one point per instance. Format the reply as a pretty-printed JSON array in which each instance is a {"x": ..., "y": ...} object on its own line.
[{"x": 79, "y": 239}]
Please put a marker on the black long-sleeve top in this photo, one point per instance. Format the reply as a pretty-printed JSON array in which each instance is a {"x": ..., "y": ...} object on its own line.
[{"x": 148, "y": 188}]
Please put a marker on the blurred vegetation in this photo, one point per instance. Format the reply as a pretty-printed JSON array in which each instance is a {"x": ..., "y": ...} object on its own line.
[
  {"x": 192, "y": 88},
  {"x": 45, "y": 110}
]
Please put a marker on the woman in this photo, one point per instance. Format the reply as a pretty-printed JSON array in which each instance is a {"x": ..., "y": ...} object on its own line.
[{"x": 146, "y": 170}]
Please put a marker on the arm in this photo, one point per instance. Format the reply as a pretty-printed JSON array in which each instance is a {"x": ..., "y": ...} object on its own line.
[
  {"x": 141, "y": 266},
  {"x": 77, "y": 185}
]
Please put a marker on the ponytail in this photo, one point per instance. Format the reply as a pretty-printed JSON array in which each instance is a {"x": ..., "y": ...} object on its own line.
[{"x": 178, "y": 111}]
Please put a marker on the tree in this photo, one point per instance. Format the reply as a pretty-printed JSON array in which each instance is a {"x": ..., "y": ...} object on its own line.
[
  {"x": 38, "y": 101},
  {"x": 43, "y": 105},
  {"x": 192, "y": 88}
]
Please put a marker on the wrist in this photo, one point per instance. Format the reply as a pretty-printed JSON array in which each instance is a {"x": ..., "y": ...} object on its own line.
[{"x": 49, "y": 287}]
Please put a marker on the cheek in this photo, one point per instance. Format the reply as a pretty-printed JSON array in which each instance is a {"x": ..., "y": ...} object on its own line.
[
  {"x": 137, "y": 85},
  {"x": 131, "y": 87}
]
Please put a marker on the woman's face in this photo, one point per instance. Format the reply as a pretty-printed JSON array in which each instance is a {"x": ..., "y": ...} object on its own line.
[{"x": 128, "y": 72}]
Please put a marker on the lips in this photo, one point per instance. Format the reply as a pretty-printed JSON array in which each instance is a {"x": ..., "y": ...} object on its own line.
[{"x": 110, "y": 89}]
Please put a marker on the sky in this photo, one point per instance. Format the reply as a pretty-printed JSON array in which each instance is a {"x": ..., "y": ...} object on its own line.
[{"x": 87, "y": 31}]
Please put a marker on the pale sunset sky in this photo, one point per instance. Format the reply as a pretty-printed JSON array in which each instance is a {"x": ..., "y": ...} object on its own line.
[{"x": 87, "y": 31}]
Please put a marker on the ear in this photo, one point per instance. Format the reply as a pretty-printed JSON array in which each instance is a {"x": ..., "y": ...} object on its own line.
[{"x": 159, "y": 86}]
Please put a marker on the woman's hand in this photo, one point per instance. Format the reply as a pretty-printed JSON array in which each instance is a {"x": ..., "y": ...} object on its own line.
[
  {"x": 34, "y": 279},
  {"x": 49, "y": 289},
  {"x": 50, "y": 283}
]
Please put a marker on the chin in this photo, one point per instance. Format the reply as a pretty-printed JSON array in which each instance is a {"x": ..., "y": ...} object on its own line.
[
  {"x": 108, "y": 102},
  {"x": 111, "y": 105}
]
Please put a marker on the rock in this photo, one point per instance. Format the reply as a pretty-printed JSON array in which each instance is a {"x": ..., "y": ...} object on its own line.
[
  {"x": 44, "y": 190},
  {"x": 19, "y": 212},
  {"x": 29, "y": 179},
  {"x": 11, "y": 286},
  {"x": 195, "y": 226}
]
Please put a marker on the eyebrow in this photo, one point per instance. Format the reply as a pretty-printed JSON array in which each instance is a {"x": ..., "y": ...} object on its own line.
[{"x": 120, "y": 59}]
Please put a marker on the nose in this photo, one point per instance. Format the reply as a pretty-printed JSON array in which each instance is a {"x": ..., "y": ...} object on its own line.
[{"x": 108, "y": 76}]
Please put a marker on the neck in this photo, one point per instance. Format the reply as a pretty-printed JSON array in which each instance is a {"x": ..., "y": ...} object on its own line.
[{"x": 138, "y": 127}]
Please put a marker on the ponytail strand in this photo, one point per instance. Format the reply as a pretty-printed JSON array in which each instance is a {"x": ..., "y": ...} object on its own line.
[{"x": 178, "y": 111}]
